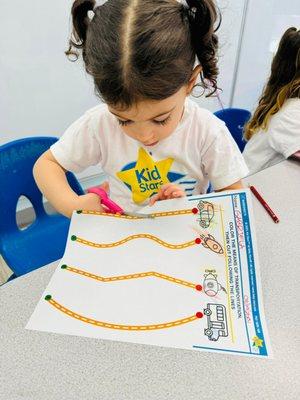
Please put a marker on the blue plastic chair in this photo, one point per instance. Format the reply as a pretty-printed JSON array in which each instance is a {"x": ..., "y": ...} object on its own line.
[
  {"x": 235, "y": 120},
  {"x": 44, "y": 240}
]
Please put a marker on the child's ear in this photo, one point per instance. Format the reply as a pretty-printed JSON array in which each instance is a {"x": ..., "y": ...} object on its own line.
[{"x": 193, "y": 78}]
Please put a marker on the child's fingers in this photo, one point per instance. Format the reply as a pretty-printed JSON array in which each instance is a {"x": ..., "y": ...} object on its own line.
[
  {"x": 174, "y": 192},
  {"x": 153, "y": 199},
  {"x": 177, "y": 194},
  {"x": 105, "y": 186},
  {"x": 170, "y": 189},
  {"x": 166, "y": 192},
  {"x": 164, "y": 189},
  {"x": 160, "y": 195}
]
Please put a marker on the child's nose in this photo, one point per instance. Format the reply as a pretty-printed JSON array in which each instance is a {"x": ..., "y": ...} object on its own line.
[{"x": 145, "y": 133}]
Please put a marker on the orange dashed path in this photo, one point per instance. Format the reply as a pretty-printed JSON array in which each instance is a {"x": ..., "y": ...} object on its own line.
[
  {"x": 109, "y": 325},
  {"x": 132, "y": 237},
  {"x": 132, "y": 276},
  {"x": 157, "y": 214}
]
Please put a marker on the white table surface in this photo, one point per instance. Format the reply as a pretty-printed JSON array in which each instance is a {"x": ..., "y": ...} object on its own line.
[{"x": 38, "y": 365}]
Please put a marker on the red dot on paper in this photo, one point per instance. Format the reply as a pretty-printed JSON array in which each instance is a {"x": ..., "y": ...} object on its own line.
[
  {"x": 199, "y": 314},
  {"x": 198, "y": 287},
  {"x": 197, "y": 240},
  {"x": 194, "y": 210}
]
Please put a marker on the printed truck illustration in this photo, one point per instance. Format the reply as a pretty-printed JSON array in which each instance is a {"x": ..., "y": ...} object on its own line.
[
  {"x": 216, "y": 321},
  {"x": 206, "y": 213}
]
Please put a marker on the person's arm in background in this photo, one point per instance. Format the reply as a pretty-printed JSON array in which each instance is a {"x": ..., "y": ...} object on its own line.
[
  {"x": 51, "y": 179},
  {"x": 295, "y": 156},
  {"x": 284, "y": 131}
]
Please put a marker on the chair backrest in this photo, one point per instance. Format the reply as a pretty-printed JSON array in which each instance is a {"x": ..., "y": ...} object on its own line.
[
  {"x": 17, "y": 159},
  {"x": 235, "y": 120}
]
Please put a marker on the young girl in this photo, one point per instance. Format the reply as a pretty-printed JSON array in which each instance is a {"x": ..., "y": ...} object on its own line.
[
  {"x": 274, "y": 130},
  {"x": 150, "y": 139}
]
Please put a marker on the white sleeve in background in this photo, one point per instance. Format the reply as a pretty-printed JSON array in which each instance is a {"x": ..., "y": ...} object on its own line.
[
  {"x": 78, "y": 148},
  {"x": 284, "y": 129},
  {"x": 223, "y": 161}
]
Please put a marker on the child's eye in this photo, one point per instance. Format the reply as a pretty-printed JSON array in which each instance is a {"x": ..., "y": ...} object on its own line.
[
  {"x": 123, "y": 123},
  {"x": 163, "y": 122}
]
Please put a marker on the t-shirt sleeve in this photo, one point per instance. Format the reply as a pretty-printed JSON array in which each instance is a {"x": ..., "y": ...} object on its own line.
[
  {"x": 78, "y": 148},
  {"x": 222, "y": 161},
  {"x": 284, "y": 131}
]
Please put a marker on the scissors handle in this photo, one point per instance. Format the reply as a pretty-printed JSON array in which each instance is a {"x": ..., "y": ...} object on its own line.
[{"x": 106, "y": 201}]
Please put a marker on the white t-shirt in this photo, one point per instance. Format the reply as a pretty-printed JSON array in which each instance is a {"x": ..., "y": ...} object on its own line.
[
  {"x": 199, "y": 150},
  {"x": 278, "y": 142}
]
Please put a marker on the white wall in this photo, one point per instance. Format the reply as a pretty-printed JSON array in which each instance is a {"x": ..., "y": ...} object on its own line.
[{"x": 41, "y": 91}]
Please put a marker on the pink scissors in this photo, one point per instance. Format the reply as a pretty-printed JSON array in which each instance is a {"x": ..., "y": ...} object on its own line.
[{"x": 111, "y": 206}]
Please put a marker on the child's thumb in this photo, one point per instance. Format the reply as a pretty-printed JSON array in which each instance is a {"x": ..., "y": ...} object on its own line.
[{"x": 105, "y": 186}]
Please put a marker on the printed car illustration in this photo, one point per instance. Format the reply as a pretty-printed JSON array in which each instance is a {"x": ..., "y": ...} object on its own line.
[
  {"x": 206, "y": 213},
  {"x": 216, "y": 321}
]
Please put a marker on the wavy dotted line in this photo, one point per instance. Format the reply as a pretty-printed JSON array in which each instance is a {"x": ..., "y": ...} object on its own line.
[
  {"x": 132, "y": 276},
  {"x": 156, "y": 214},
  {"x": 109, "y": 325},
  {"x": 138, "y": 236}
]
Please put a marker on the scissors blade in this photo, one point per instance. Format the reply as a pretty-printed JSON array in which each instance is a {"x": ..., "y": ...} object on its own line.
[{"x": 138, "y": 215}]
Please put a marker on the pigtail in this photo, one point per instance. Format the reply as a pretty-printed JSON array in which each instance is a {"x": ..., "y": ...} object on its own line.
[
  {"x": 81, "y": 21},
  {"x": 202, "y": 15}
]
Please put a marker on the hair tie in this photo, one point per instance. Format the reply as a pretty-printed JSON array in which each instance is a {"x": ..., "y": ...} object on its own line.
[
  {"x": 185, "y": 4},
  {"x": 98, "y": 3}
]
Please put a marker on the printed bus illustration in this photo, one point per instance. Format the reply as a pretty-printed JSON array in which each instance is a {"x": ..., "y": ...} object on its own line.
[
  {"x": 206, "y": 213},
  {"x": 216, "y": 321}
]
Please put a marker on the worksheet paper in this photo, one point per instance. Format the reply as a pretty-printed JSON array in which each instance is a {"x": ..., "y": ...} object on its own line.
[{"x": 188, "y": 278}]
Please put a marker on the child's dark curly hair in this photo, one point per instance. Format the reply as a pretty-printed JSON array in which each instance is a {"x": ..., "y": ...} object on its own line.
[{"x": 145, "y": 49}]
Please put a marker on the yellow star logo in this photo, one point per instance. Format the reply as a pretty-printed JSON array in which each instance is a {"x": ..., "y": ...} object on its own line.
[
  {"x": 257, "y": 341},
  {"x": 146, "y": 177}
]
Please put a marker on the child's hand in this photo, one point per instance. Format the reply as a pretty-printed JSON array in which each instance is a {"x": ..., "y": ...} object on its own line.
[
  {"x": 168, "y": 191},
  {"x": 89, "y": 202}
]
